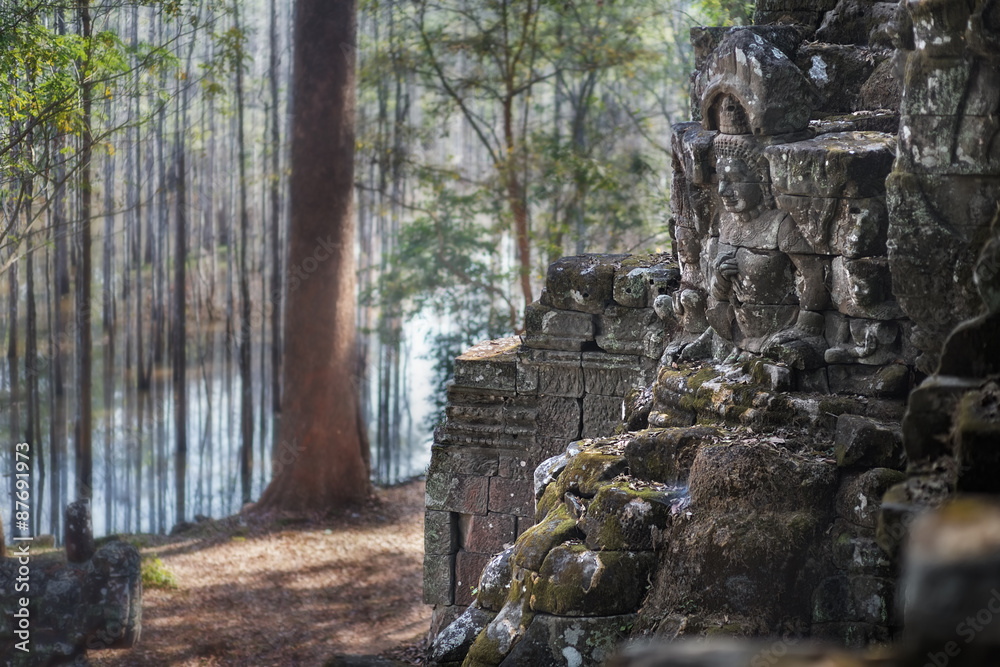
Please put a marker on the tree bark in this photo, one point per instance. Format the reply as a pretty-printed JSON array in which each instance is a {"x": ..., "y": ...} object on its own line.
[
  {"x": 84, "y": 428},
  {"x": 318, "y": 463}
]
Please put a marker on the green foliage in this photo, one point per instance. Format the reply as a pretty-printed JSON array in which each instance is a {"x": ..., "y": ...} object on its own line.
[
  {"x": 726, "y": 12},
  {"x": 156, "y": 575}
]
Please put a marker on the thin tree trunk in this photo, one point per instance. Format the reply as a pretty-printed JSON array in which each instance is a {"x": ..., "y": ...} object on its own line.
[
  {"x": 245, "y": 336},
  {"x": 84, "y": 430}
]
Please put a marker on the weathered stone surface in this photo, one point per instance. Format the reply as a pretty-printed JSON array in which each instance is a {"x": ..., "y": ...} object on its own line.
[
  {"x": 848, "y": 164},
  {"x": 774, "y": 104},
  {"x": 558, "y": 373},
  {"x": 976, "y": 434},
  {"x": 838, "y": 72},
  {"x": 468, "y": 567},
  {"x": 489, "y": 365},
  {"x": 855, "y": 598},
  {"x": 601, "y": 415},
  {"x": 73, "y": 607},
  {"x": 494, "y": 583},
  {"x": 635, "y": 331},
  {"x": 585, "y": 472},
  {"x": 457, "y": 493},
  {"x": 951, "y": 581},
  {"x": 575, "y": 581},
  {"x": 866, "y": 443},
  {"x": 536, "y": 542},
  {"x": 834, "y": 226},
  {"x": 622, "y": 517},
  {"x": 856, "y": 551},
  {"x": 439, "y": 579},
  {"x": 891, "y": 381},
  {"x": 927, "y": 422},
  {"x": 584, "y": 283},
  {"x": 511, "y": 496},
  {"x": 548, "y": 328},
  {"x": 558, "y": 417},
  {"x": 476, "y": 461},
  {"x": 860, "y": 496},
  {"x": 616, "y": 374},
  {"x": 452, "y": 643},
  {"x": 729, "y": 477},
  {"x": 440, "y": 532},
  {"x": 487, "y": 534},
  {"x": 582, "y": 642},
  {"x": 858, "y": 22},
  {"x": 666, "y": 455}
]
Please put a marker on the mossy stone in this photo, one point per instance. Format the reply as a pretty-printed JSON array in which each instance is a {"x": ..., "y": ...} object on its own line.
[
  {"x": 575, "y": 581},
  {"x": 622, "y": 518},
  {"x": 536, "y": 542}
]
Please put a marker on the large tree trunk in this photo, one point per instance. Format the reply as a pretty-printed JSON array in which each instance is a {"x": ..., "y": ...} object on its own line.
[{"x": 318, "y": 462}]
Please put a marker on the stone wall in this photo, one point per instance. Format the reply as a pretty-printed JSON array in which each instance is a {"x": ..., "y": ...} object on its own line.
[
  {"x": 592, "y": 337},
  {"x": 732, "y": 484}
]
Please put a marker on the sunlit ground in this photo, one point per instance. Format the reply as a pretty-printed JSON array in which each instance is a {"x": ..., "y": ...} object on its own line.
[{"x": 288, "y": 593}]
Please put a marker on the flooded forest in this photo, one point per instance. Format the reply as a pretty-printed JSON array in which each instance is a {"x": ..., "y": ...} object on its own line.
[{"x": 144, "y": 179}]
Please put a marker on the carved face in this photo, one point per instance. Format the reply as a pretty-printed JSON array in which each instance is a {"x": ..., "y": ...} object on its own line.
[{"x": 739, "y": 188}]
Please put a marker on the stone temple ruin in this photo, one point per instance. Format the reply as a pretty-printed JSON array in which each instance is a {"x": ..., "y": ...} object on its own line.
[{"x": 734, "y": 439}]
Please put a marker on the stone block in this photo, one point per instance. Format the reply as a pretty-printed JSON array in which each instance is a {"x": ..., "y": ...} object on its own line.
[
  {"x": 783, "y": 97},
  {"x": 511, "y": 496},
  {"x": 866, "y": 443},
  {"x": 860, "y": 496},
  {"x": 863, "y": 288},
  {"x": 558, "y": 373},
  {"x": 892, "y": 381},
  {"x": 451, "y": 461},
  {"x": 468, "y": 567},
  {"x": 838, "y": 71},
  {"x": 515, "y": 464},
  {"x": 601, "y": 415},
  {"x": 453, "y": 642},
  {"x": 949, "y": 87},
  {"x": 494, "y": 582},
  {"x": 440, "y": 532},
  {"x": 840, "y": 164},
  {"x": 489, "y": 365},
  {"x": 857, "y": 22},
  {"x": 816, "y": 381},
  {"x": 616, "y": 374},
  {"x": 638, "y": 286},
  {"x": 812, "y": 281},
  {"x": 861, "y": 598},
  {"x": 834, "y": 226},
  {"x": 949, "y": 144},
  {"x": 558, "y": 417},
  {"x": 856, "y": 552},
  {"x": 621, "y": 518},
  {"x": 489, "y": 534},
  {"x": 458, "y": 493},
  {"x": 928, "y": 419},
  {"x": 665, "y": 455},
  {"x": 583, "y": 283},
  {"x": 557, "y": 640},
  {"x": 976, "y": 434},
  {"x": 552, "y": 329},
  {"x": 636, "y": 331},
  {"x": 439, "y": 579},
  {"x": 575, "y": 581}
]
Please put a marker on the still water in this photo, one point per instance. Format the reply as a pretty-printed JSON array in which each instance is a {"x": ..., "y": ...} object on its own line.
[{"x": 134, "y": 441}]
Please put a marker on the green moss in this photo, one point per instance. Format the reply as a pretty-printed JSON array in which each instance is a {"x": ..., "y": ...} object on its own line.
[
  {"x": 156, "y": 575},
  {"x": 536, "y": 542}
]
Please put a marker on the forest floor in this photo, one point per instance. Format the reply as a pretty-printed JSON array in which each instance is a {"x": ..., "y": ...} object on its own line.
[{"x": 286, "y": 592}]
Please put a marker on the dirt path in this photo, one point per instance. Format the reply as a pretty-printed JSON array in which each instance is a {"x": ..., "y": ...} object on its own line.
[{"x": 287, "y": 593}]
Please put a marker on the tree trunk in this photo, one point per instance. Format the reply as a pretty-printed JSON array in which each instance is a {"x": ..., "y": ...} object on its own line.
[
  {"x": 246, "y": 330},
  {"x": 275, "y": 216},
  {"x": 84, "y": 429},
  {"x": 319, "y": 462}
]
